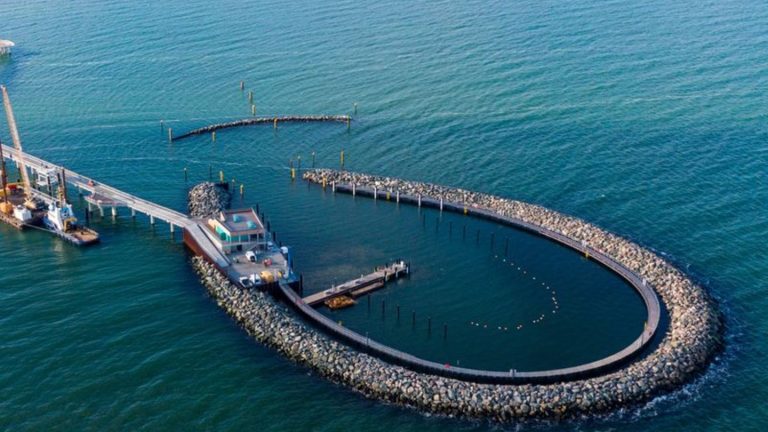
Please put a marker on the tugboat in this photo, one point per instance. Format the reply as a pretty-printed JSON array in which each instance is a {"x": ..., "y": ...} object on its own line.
[{"x": 61, "y": 220}]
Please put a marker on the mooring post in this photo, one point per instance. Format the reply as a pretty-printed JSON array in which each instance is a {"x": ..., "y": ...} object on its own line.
[
  {"x": 253, "y": 109},
  {"x": 162, "y": 125},
  {"x": 441, "y": 203},
  {"x": 242, "y": 191},
  {"x": 171, "y": 224},
  {"x": 354, "y": 189},
  {"x": 301, "y": 284},
  {"x": 170, "y": 135},
  {"x": 341, "y": 159},
  {"x": 151, "y": 220},
  {"x": 333, "y": 186},
  {"x": 133, "y": 213},
  {"x": 250, "y": 96},
  {"x": 397, "y": 196},
  {"x": 213, "y": 136},
  {"x": 419, "y": 200},
  {"x": 375, "y": 193},
  {"x": 101, "y": 211},
  {"x": 275, "y": 124},
  {"x": 355, "y": 106},
  {"x": 242, "y": 85}
]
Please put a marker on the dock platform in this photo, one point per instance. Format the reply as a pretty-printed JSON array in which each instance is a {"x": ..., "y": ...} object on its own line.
[{"x": 361, "y": 285}]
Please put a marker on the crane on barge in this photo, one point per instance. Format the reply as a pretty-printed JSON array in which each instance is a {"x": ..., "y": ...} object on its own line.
[{"x": 29, "y": 201}]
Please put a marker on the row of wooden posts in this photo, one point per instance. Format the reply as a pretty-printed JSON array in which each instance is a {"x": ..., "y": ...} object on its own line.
[
  {"x": 413, "y": 317},
  {"x": 253, "y": 113}
]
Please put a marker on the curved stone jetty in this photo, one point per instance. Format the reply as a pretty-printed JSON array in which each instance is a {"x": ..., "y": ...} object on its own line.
[
  {"x": 267, "y": 120},
  {"x": 693, "y": 337}
]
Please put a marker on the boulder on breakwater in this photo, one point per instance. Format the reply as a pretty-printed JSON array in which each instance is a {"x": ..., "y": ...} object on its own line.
[{"x": 207, "y": 198}]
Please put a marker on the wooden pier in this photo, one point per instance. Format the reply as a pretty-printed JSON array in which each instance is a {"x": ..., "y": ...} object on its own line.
[{"x": 362, "y": 285}]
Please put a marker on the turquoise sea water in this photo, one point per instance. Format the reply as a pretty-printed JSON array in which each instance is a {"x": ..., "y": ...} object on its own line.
[{"x": 647, "y": 118}]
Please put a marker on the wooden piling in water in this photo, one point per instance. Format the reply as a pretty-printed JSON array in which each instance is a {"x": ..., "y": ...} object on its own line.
[{"x": 170, "y": 135}]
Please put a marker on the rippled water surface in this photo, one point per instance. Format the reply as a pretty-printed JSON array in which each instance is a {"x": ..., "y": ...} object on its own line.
[{"x": 647, "y": 118}]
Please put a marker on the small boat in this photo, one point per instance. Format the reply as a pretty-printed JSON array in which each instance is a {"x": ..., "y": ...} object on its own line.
[
  {"x": 61, "y": 220},
  {"x": 340, "y": 302}
]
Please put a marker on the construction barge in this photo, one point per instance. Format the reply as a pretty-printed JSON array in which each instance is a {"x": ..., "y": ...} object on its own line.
[{"x": 23, "y": 207}]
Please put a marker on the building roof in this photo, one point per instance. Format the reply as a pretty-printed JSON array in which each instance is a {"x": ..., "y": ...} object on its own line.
[{"x": 241, "y": 221}]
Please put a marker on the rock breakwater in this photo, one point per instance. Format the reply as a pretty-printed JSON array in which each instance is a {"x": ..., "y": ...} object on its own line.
[
  {"x": 692, "y": 338},
  {"x": 267, "y": 120}
]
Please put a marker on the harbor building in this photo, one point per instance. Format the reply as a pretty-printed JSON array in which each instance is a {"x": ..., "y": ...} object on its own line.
[{"x": 237, "y": 230}]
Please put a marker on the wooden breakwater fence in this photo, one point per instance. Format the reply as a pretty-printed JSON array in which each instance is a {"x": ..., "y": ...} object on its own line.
[
  {"x": 273, "y": 120},
  {"x": 513, "y": 376},
  {"x": 360, "y": 286}
]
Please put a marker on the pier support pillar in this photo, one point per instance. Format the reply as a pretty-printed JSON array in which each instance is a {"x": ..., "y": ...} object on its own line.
[
  {"x": 171, "y": 224},
  {"x": 101, "y": 211},
  {"x": 133, "y": 213},
  {"x": 151, "y": 220},
  {"x": 114, "y": 212}
]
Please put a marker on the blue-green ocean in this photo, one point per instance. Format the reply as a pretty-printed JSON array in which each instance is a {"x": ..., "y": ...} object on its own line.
[{"x": 645, "y": 117}]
